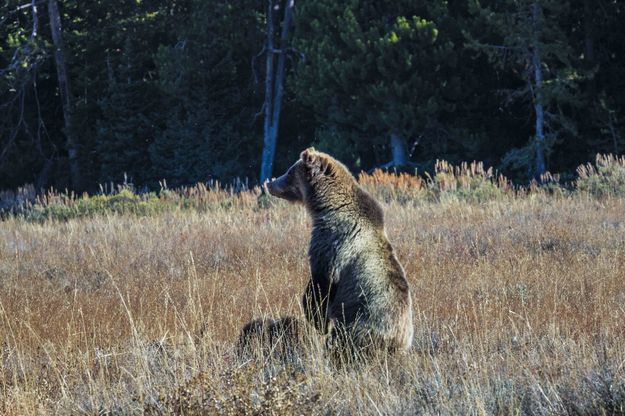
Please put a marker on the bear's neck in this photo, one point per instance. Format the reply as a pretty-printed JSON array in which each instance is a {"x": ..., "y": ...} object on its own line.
[
  {"x": 335, "y": 220},
  {"x": 343, "y": 214}
]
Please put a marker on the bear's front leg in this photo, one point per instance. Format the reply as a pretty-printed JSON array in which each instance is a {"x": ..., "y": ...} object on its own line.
[{"x": 315, "y": 303}]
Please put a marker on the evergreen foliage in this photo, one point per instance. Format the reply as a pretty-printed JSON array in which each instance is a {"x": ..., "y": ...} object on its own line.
[
  {"x": 526, "y": 39},
  {"x": 374, "y": 69},
  {"x": 173, "y": 90}
]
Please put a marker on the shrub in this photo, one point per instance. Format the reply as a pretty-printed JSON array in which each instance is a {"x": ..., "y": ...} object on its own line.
[
  {"x": 388, "y": 187},
  {"x": 468, "y": 182},
  {"x": 65, "y": 207},
  {"x": 245, "y": 390},
  {"x": 18, "y": 200},
  {"x": 606, "y": 178}
]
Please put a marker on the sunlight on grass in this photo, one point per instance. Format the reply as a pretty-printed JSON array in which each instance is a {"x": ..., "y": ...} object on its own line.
[{"x": 519, "y": 304}]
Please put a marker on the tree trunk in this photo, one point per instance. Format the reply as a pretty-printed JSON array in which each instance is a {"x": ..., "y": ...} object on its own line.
[
  {"x": 43, "y": 178},
  {"x": 274, "y": 87},
  {"x": 65, "y": 93},
  {"x": 615, "y": 136},
  {"x": 279, "y": 80},
  {"x": 539, "y": 138},
  {"x": 589, "y": 44},
  {"x": 399, "y": 148},
  {"x": 267, "y": 161}
]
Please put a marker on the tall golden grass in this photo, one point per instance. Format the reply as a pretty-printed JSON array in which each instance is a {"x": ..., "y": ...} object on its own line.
[{"x": 519, "y": 306}]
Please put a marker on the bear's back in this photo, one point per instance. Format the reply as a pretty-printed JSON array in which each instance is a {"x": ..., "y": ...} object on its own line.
[{"x": 351, "y": 251}]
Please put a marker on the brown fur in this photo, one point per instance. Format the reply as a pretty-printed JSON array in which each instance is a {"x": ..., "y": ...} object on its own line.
[
  {"x": 357, "y": 284},
  {"x": 266, "y": 337}
]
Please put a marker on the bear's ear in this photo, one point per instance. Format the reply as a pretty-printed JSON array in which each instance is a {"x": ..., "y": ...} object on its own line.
[
  {"x": 315, "y": 162},
  {"x": 308, "y": 155}
]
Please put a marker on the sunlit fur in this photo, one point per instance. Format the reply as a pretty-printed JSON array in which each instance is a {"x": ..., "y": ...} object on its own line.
[{"x": 358, "y": 291}]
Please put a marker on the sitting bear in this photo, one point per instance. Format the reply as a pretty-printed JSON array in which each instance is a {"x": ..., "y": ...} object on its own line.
[{"x": 358, "y": 291}]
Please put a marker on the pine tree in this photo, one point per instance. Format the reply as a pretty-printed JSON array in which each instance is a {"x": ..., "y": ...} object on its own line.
[
  {"x": 599, "y": 34},
  {"x": 205, "y": 85},
  {"x": 529, "y": 40},
  {"x": 374, "y": 72},
  {"x": 126, "y": 128}
]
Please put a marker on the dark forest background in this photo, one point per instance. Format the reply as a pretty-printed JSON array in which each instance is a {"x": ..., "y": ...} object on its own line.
[{"x": 192, "y": 90}]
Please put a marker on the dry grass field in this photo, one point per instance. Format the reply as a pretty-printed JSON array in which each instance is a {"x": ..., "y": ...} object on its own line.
[{"x": 519, "y": 305}]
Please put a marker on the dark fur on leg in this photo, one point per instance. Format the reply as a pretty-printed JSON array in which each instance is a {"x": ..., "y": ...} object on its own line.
[{"x": 265, "y": 337}]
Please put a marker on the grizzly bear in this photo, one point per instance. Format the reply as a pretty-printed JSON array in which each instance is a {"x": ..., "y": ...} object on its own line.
[
  {"x": 358, "y": 291},
  {"x": 265, "y": 337}
]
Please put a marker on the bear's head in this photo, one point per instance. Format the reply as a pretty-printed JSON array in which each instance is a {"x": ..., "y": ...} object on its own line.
[{"x": 312, "y": 175}]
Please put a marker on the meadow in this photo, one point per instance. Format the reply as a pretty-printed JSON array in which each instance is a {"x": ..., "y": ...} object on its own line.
[{"x": 132, "y": 304}]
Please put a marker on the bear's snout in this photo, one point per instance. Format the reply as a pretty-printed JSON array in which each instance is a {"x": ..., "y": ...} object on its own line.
[
  {"x": 285, "y": 188},
  {"x": 276, "y": 186}
]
